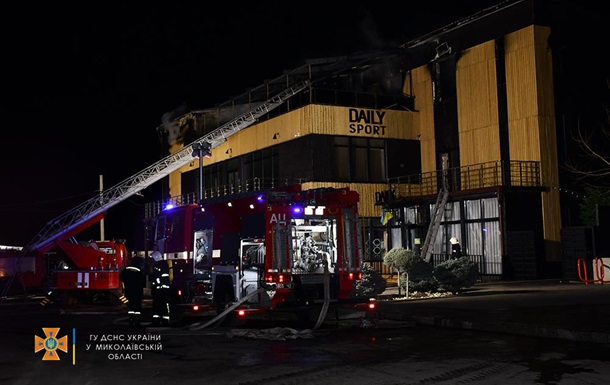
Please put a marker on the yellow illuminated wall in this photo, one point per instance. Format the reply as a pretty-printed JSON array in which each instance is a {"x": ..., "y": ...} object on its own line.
[
  {"x": 479, "y": 131},
  {"x": 531, "y": 119},
  {"x": 320, "y": 120}
]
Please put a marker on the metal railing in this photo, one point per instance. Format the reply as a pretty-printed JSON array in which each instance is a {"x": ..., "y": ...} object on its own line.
[
  {"x": 476, "y": 176},
  {"x": 255, "y": 184}
]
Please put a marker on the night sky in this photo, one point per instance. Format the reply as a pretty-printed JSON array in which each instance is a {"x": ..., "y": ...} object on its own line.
[{"x": 85, "y": 87}]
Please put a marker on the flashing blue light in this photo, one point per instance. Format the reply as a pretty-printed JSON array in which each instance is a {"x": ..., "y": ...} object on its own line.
[
  {"x": 260, "y": 198},
  {"x": 169, "y": 206},
  {"x": 297, "y": 210}
]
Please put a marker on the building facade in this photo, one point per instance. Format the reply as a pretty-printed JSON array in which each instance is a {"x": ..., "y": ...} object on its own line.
[{"x": 463, "y": 120}]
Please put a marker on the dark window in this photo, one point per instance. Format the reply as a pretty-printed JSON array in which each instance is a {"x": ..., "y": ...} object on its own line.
[
  {"x": 359, "y": 160},
  {"x": 341, "y": 163},
  {"x": 233, "y": 175},
  {"x": 260, "y": 168}
]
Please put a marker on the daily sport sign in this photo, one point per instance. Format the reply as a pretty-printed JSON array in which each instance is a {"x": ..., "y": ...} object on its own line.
[{"x": 368, "y": 122}]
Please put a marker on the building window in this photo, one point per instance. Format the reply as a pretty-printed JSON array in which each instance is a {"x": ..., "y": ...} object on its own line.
[
  {"x": 341, "y": 164},
  {"x": 359, "y": 160},
  {"x": 260, "y": 167}
]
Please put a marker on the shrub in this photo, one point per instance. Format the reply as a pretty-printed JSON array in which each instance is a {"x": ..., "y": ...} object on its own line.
[
  {"x": 421, "y": 277},
  {"x": 371, "y": 284},
  {"x": 456, "y": 274},
  {"x": 401, "y": 259},
  {"x": 418, "y": 272}
]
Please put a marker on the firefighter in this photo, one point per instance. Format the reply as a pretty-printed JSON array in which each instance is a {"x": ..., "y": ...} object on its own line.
[
  {"x": 456, "y": 249},
  {"x": 160, "y": 290},
  {"x": 134, "y": 281}
]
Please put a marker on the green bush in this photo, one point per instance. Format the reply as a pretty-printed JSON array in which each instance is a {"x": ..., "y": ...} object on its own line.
[
  {"x": 371, "y": 284},
  {"x": 421, "y": 278},
  {"x": 456, "y": 274},
  {"x": 452, "y": 276},
  {"x": 401, "y": 259},
  {"x": 412, "y": 267}
]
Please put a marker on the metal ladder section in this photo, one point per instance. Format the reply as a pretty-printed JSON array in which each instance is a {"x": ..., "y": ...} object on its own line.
[
  {"x": 439, "y": 210},
  {"x": 123, "y": 190}
]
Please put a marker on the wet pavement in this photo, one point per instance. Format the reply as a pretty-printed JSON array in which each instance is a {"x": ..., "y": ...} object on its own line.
[
  {"x": 490, "y": 333},
  {"x": 551, "y": 308},
  {"x": 569, "y": 310}
]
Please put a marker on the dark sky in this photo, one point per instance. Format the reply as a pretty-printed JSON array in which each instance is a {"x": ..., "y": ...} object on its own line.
[{"x": 84, "y": 87}]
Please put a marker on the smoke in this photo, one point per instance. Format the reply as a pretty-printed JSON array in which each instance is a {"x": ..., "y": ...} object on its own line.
[
  {"x": 172, "y": 125},
  {"x": 370, "y": 32}
]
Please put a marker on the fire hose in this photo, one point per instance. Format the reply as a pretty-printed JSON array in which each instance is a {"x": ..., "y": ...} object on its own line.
[
  {"x": 322, "y": 315},
  {"x": 199, "y": 326}
]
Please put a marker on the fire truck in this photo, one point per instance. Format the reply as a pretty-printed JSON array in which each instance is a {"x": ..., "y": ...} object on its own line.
[
  {"x": 66, "y": 269},
  {"x": 286, "y": 248},
  {"x": 76, "y": 269}
]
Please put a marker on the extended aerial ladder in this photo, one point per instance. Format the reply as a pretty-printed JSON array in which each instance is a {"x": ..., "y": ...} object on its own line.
[{"x": 66, "y": 224}]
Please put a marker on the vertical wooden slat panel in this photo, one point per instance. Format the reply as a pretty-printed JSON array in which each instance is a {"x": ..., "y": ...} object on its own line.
[
  {"x": 422, "y": 89},
  {"x": 531, "y": 113},
  {"x": 478, "y": 105},
  {"x": 522, "y": 95}
]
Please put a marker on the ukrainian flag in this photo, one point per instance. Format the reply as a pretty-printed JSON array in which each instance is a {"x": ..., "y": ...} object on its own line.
[{"x": 386, "y": 215}]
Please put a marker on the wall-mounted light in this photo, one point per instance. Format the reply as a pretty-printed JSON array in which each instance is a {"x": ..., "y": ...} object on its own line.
[
  {"x": 276, "y": 136},
  {"x": 229, "y": 151}
]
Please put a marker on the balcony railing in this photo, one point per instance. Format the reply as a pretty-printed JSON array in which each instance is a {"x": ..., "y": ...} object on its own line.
[
  {"x": 250, "y": 185},
  {"x": 471, "y": 177}
]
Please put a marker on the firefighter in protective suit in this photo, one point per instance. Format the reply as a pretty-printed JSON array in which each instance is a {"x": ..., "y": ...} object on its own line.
[
  {"x": 160, "y": 290},
  {"x": 134, "y": 281}
]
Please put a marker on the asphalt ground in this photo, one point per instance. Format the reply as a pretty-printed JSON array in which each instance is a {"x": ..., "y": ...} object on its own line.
[
  {"x": 569, "y": 310},
  {"x": 573, "y": 316},
  {"x": 551, "y": 308}
]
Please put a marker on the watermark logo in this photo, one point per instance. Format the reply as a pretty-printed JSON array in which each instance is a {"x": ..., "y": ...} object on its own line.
[{"x": 50, "y": 344}]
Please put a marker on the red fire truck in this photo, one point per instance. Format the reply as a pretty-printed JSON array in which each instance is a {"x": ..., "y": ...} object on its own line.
[
  {"x": 280, "y": 249},
  {"x": 71, "y": 271},
  {"x": 86, "y": 269}
]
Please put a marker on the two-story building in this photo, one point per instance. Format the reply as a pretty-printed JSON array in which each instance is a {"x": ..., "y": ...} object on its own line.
[{"x": 465, "y": 119}]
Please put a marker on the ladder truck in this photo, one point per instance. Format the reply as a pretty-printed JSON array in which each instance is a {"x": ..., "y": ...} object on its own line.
[
  {"x": 88, "y": 269},
  {"x": 282, "y": 251}
]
